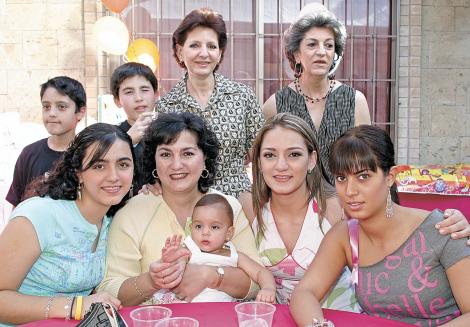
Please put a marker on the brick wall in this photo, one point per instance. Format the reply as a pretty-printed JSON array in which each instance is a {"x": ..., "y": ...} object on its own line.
[
  {"x": 38, "y": 40},
  {"x": 445, "y": 82},
  {"x": 434, "y": 82}
]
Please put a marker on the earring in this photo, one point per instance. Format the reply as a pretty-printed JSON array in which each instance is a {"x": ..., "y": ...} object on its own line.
[
  {"x": 205, "y": 173},
  {"x": 297, "y": 70},
  {"x": 79, "y": 191},
  {"x": 131, "y": 191},
  {"x": 154, "y": 174},
  {"x": 389, "y": 207},
  {"x": 309, "y": 171},
  {"x": 343, "y": 217}
]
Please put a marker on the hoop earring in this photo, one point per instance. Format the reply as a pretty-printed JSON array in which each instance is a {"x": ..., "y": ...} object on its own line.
[
  {"x": 205, "y": 173},
  {"x": 79, "y": 191},
  {"x": 297, "y": 70},
  {"x": 334, "y": 66},
  {"x": 131, "y": 191},
  {"x": 155, "y": 175},
  {"x": 389, "y": 207}
]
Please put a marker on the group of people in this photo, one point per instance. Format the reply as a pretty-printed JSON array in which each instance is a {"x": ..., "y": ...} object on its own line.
[{"x": 199, "y": 230}]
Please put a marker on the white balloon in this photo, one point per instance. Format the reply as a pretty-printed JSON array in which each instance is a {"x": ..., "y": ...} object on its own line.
[{"x": 111, "y": 35}]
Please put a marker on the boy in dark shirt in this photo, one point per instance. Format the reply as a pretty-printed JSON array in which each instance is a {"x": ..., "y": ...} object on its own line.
[
  {"x": 135, "y": 89},
  {"x": 63, "y": 106}
]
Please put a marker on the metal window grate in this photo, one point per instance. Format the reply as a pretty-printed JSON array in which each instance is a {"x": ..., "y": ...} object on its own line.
[{"x": 254, "y": 54}]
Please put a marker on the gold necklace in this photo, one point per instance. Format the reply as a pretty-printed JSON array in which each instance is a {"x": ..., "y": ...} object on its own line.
[{"x": 309, "y": 98}]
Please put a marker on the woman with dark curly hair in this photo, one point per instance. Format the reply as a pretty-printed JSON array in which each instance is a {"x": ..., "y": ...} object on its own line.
[
  {"x": 180, "y": 152},
  {"x": 52, "y": 251}
]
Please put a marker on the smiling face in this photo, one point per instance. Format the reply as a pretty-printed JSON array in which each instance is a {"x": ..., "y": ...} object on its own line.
[
  {"x": 58, "y": 112},
  {"x": 136, "y": 95},
  {"x": 200, "y": 52},
  {"x": 108, "y": 180},
  {"x": 316, "y": 51},
  {"x": 211, "y": 227},
  {"x": 363, "y": 194},
  {"x": 284, "y": 161},
  {"x": 180, "y": 164}
]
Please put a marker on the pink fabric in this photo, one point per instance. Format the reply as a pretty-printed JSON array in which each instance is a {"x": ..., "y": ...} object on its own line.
[
  {"x": 434, "y": 201},
  {"x": 354, "y": 241},
  {"x": 223, "y": 314}
]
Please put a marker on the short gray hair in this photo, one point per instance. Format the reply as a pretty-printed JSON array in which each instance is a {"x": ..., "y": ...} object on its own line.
[{"x": 316, "y": 17}]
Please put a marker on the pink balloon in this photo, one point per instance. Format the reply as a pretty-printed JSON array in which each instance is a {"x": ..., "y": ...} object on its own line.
[{"x": 116, "y": 5}]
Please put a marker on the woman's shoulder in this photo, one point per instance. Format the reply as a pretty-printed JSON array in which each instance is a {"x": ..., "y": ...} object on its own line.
[
  {"x": 174, "y": 95},
  {"x": 38, "y": 205},
  {"x": 138, "y": 209},
  {"x": 227, "y": 85}
]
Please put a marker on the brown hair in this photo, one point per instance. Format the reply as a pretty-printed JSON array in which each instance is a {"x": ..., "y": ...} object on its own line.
[
  {"x": 216, "y": 199},
  {"x": 203, "y": 17},
  {"x": 363, "y": 147},
  {"x": 261, "y": 191}
]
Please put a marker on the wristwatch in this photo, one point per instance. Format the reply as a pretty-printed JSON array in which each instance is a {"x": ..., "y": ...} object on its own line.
[{"x": 221, "y": 272}]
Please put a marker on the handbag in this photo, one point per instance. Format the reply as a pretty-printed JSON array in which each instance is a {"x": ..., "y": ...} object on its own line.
[{"x": 102, "y": 315}]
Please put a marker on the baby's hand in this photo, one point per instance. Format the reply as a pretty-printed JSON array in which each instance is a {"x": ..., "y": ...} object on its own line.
[
  {"x": 266, "y": 295},
  {"x": 172, "y": 250}
]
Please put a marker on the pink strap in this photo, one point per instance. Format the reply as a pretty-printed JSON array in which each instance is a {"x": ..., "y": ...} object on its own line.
[
  {"x": 315, "y": 205},
  {"x": 353, "y": 228}
]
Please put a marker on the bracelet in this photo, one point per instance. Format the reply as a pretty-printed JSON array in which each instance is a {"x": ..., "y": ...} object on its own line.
[
  {"x": 68, "y": 304},
  {"x": 138, "y": 290},
  {"x": 48, "y": 307},
  {"x": 70, "y": 316},
  {"x": 78, "y": 309},
  {"x": 323, "y": 323}
]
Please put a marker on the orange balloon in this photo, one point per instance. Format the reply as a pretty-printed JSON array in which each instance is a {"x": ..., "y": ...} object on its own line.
[
  {"x": 116, "y": 5},
  {"x": 145, "y": 52}
]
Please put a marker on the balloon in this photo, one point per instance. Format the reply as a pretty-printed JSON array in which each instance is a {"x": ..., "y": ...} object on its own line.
[
  {"x": 116, "y": 5},
  {"x": 145, "y": 52},
  {"x": 111, "y": 35}
]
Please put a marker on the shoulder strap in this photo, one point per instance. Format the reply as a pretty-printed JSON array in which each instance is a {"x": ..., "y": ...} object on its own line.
[{"x": 353, "y": 228}]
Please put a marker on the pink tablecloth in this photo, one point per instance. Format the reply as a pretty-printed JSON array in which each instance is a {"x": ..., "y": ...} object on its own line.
[
  {"x": 223, "y": 315},
  {"x": 436, "y": 201}
]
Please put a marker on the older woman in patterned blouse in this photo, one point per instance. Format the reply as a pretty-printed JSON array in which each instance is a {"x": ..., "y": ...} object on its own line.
[{"x": 230, "y": 108}]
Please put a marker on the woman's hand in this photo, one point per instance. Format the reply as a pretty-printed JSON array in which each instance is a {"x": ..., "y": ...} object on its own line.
[
  {"x": 195, "y": 279},
  {"x": 99, "y": 297},
  {"x": 166, "y": 275},
  {"x": 455, "y": 224},
  {"x": 156, "y": 189}
]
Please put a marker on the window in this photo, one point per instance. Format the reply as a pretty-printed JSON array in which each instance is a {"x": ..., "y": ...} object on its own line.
[{"x": 254, "y": 54}]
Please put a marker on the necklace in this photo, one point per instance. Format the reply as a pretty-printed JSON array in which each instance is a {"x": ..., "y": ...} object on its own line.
[{"x": 309, "y": 98}]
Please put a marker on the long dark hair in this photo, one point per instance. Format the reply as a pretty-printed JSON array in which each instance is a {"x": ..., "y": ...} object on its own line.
[
  {"x": 363, "y": 147},
  {"x": 166, "y": 130},
  {"x": 62, "y": 182}
]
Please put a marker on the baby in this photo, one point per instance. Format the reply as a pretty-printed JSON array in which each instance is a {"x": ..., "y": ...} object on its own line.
[{"x": 209, "y": 244}]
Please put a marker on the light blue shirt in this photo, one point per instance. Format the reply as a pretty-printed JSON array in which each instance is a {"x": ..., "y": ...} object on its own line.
[{"x": 67, "y": 264}]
